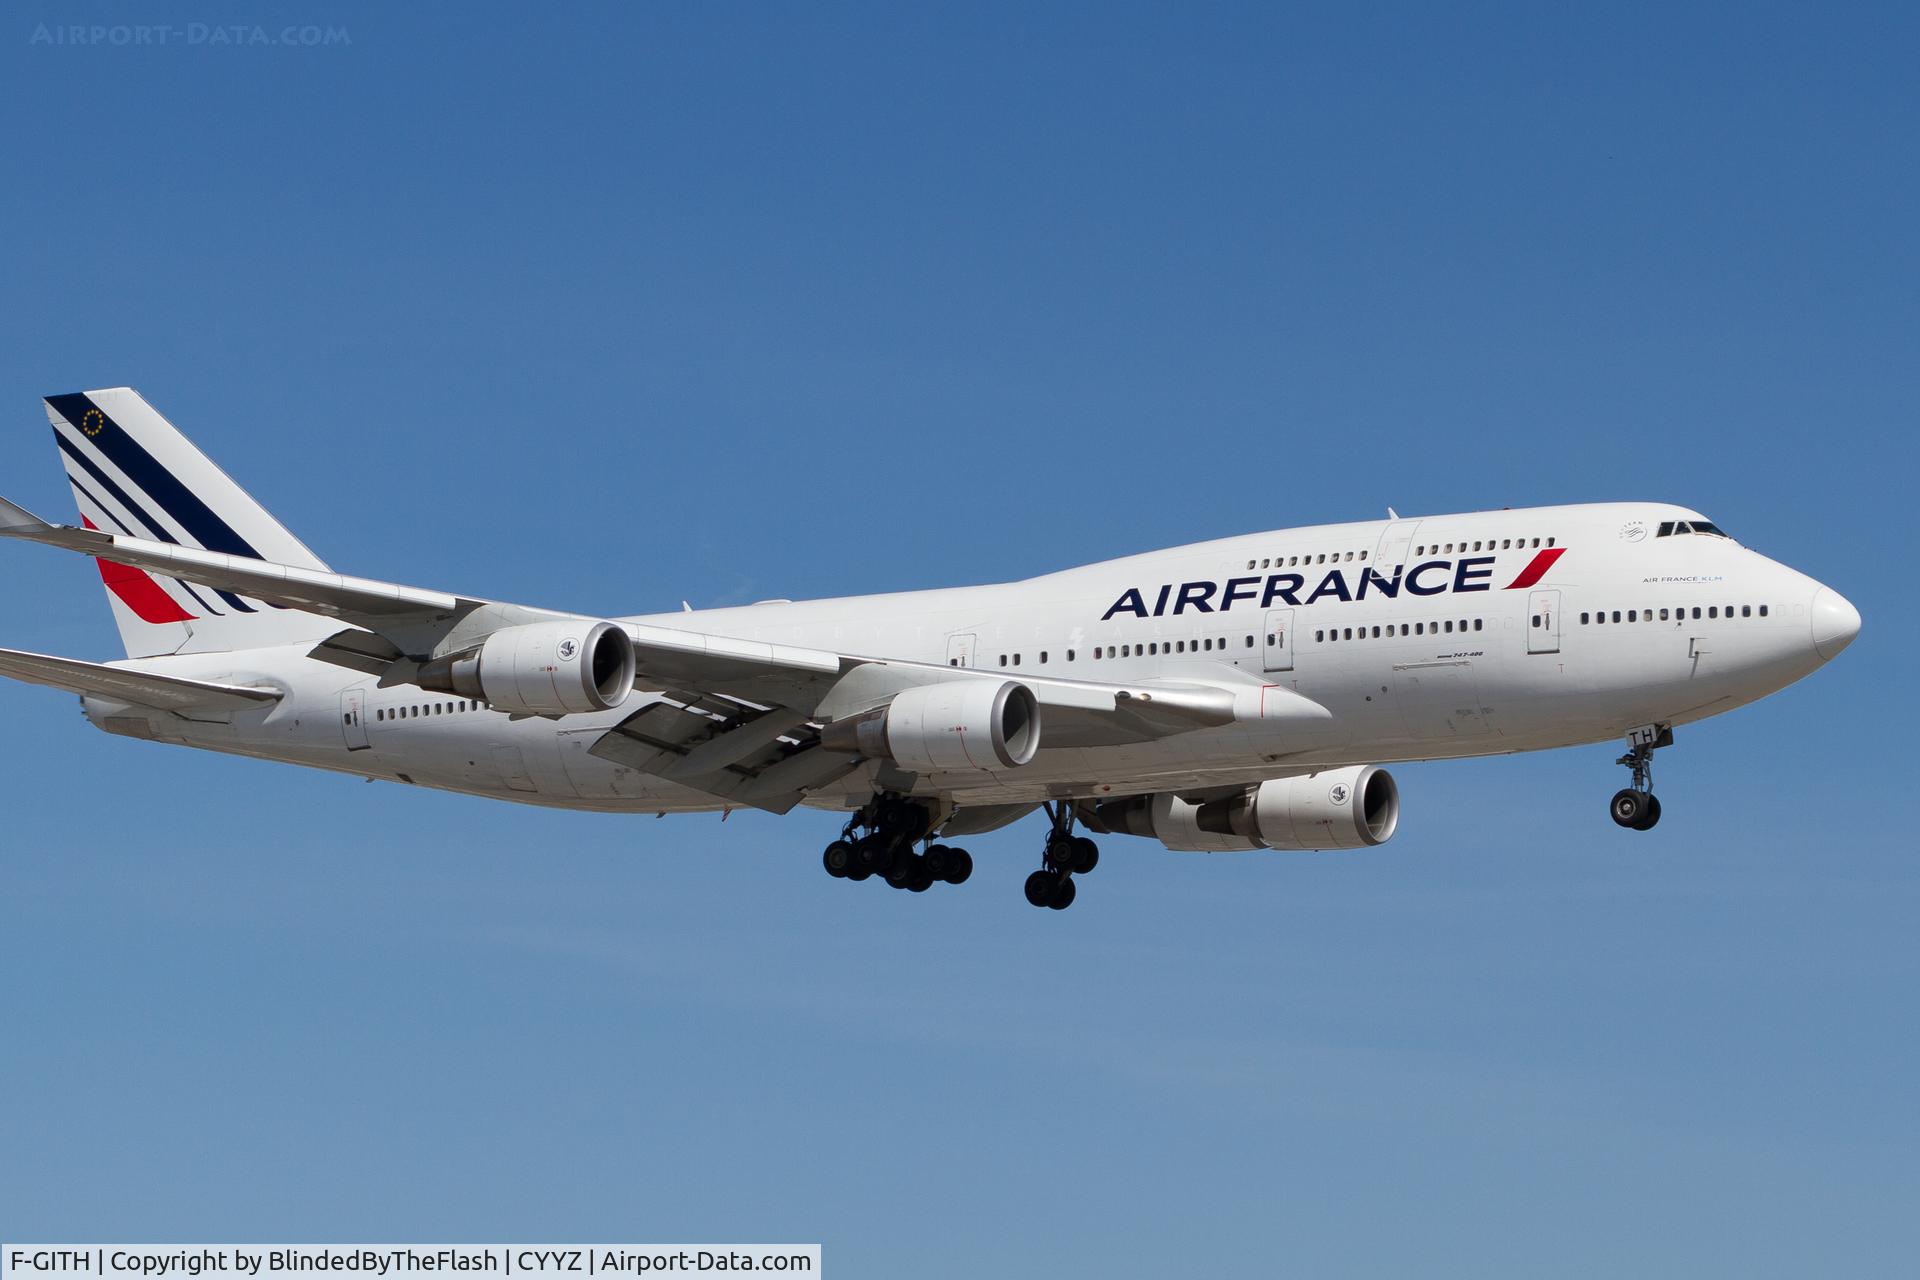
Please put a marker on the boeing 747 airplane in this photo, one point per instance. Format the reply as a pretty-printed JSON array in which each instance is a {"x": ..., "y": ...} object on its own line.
[{"x": 1239, "y": 694}]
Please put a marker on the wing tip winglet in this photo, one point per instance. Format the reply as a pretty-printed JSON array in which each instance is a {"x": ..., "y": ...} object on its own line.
[{"x": 16, "y": 519}]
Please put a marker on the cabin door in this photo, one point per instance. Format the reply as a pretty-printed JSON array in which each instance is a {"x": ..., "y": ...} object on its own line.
[{"x": 1543, "y": 622}]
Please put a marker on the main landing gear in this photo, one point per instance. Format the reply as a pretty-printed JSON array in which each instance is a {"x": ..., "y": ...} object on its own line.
[
  {"x": 1635, "y": 806},
  {"x": 1066, "y": 856},
  {"x": 892, "y": 826}
]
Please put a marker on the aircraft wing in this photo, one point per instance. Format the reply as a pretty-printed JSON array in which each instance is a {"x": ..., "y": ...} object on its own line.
[
  {"x": 729, "y": 686},
  {"x": 168, "y": 693}
]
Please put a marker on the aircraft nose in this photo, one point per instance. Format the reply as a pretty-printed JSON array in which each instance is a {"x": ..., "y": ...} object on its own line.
[{"x": 1835, "y": 623}]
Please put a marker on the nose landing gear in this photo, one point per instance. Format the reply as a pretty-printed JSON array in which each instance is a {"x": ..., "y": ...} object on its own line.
[
  {"x": 1066, "y": 856},
  {"x": 1635, "y": 806}
]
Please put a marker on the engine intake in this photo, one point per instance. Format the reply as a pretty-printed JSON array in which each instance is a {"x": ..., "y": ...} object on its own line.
[
  {"x": 956, "y": 725},
  {"x": 1335, "y": 809},
  {"x": 541, "y": 669}
]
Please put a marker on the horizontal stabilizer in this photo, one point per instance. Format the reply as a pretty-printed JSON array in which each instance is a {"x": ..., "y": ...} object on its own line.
[{"x": 167, "y": 693}]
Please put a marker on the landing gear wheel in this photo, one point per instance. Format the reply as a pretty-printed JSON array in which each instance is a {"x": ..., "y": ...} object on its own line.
[
  {"x": 838, "y": 859},
  {"x": 1652, "y": 815},
  {"x": 1635, "y": 807},
  {"x": 1084, "y": 855},
  {"x": 873, "y": 853},
  {"x": 936, "y": 860},
  {"x": 1062, "y": 895},
  {"x": 1630, "y": 808},
  {"x": 959, "y": 866},
  {"x": 1041, "y": 886}
]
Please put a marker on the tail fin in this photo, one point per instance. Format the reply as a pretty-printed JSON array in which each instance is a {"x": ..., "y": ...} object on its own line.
[{"x": 132, "y": 472}]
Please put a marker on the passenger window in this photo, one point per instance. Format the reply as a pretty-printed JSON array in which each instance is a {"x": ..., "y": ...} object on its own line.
[
  {"x": 1069, "y": 655},
  {"x": 1043, "y": 657},
  {"x": 1746, "y": 611},
  {"x": 1633, "y": 615},
  {"x": 1419, "y": 628},
  {"x": 1763, "y": 611},
  {"x": 1713, "y": 611},
  {"x": 1616, "y": 615},
  {"x": 1476, "y": 624},
  {"x": 1319, "y": 637}
]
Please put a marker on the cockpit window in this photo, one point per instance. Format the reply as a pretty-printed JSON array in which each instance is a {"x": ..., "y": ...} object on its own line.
[{"x": 1673, "y": 528}]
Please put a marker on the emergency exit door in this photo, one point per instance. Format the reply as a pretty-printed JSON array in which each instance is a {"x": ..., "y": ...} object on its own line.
[
  {"x": 1543, "y": 622},
  {"x": 353, "y": 719},
  {"x": 1277, "y": 643}
]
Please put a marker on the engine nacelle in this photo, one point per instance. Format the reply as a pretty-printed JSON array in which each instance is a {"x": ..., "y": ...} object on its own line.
[
  {"x": 541, "y": 669},
  {"x": 953, "y": 726},
  {"x": 1336, "y": 809}
]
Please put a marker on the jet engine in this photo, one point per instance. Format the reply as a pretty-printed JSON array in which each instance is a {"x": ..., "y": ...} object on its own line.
[
  {"x": 956, "y": 725},
  {"x": 541, "y": 669},
  {"x": 1335, "y": 809}
]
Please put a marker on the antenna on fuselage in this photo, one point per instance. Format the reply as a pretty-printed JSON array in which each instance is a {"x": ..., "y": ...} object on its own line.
[{"x": 1392, "y": 514}]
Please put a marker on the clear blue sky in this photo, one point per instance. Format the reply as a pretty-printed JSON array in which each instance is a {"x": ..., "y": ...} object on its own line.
[{"x": 640, "y": 303}]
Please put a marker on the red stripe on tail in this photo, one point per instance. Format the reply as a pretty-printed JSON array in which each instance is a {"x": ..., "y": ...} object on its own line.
[
  {"x": 1537, "y": 568},
  {"x": 138, "y": 591}
]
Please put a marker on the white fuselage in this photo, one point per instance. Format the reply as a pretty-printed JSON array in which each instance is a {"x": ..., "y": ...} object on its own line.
[{"x": 1422, "y": 638}]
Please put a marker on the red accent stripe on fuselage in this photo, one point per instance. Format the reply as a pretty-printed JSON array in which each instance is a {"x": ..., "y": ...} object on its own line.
[{"x": 1536, "y": 568}]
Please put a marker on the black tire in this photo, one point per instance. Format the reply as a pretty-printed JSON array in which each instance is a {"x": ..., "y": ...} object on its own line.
[
  {"x": 959, "y": 866},
  {"x": 922, "y": 879},
  {"x": 838, "y": 859},
  {"x": 936, "y": 859},
  {"x": 872, "y": 852},
  {"x": 1040, "y": 887},
  {"x": 1058, "y": 853},
  {"x": 902, "y": 872},
  {"x": 1629, "y": 807},
  {"x": 1653, "y": 815},
  {"x": 859, "y": 873},
  {"x": 1062, "y": 895},
  {"x": 1086, "y": 855}
]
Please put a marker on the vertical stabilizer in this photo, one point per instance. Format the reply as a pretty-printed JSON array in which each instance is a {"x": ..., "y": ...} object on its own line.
[{"x": 133, "y": 473}]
